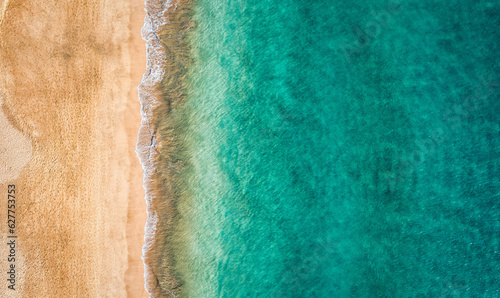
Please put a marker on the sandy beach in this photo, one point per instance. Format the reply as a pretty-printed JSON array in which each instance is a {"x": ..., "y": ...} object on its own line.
[{"x": 69, "y": 121}]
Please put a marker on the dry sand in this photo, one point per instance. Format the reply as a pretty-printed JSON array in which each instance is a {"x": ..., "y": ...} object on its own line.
[{"x": 68, "y": 126}]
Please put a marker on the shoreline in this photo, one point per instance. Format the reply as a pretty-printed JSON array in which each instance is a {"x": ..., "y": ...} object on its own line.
[{"x": 161, "y": 91}]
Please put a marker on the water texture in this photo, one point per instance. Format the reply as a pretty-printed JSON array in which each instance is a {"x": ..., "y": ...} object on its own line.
[{"x": 332, "y": 149}]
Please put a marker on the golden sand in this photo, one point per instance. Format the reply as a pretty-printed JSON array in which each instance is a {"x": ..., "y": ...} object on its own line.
[{"x": 68, "y": 77}]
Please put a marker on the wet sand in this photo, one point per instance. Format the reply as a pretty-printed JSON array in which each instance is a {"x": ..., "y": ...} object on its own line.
[{"x": 68, "y": 128}]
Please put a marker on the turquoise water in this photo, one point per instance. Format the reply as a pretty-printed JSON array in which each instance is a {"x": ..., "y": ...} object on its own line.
[{"x": 341, "y": 149}]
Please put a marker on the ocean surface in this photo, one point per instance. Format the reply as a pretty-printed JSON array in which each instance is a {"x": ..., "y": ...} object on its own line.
[{"x": 323, "y": 149}]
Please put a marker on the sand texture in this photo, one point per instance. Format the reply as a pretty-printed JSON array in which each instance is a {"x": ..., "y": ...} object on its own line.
[{"x": 69, "y": 121}]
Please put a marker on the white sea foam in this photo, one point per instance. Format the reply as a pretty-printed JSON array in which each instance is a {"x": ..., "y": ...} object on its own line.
[{"x": 149, "y": 97}]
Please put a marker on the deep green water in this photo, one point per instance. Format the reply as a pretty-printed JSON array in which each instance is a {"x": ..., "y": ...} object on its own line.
[{"x": 342, "y": 149}]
